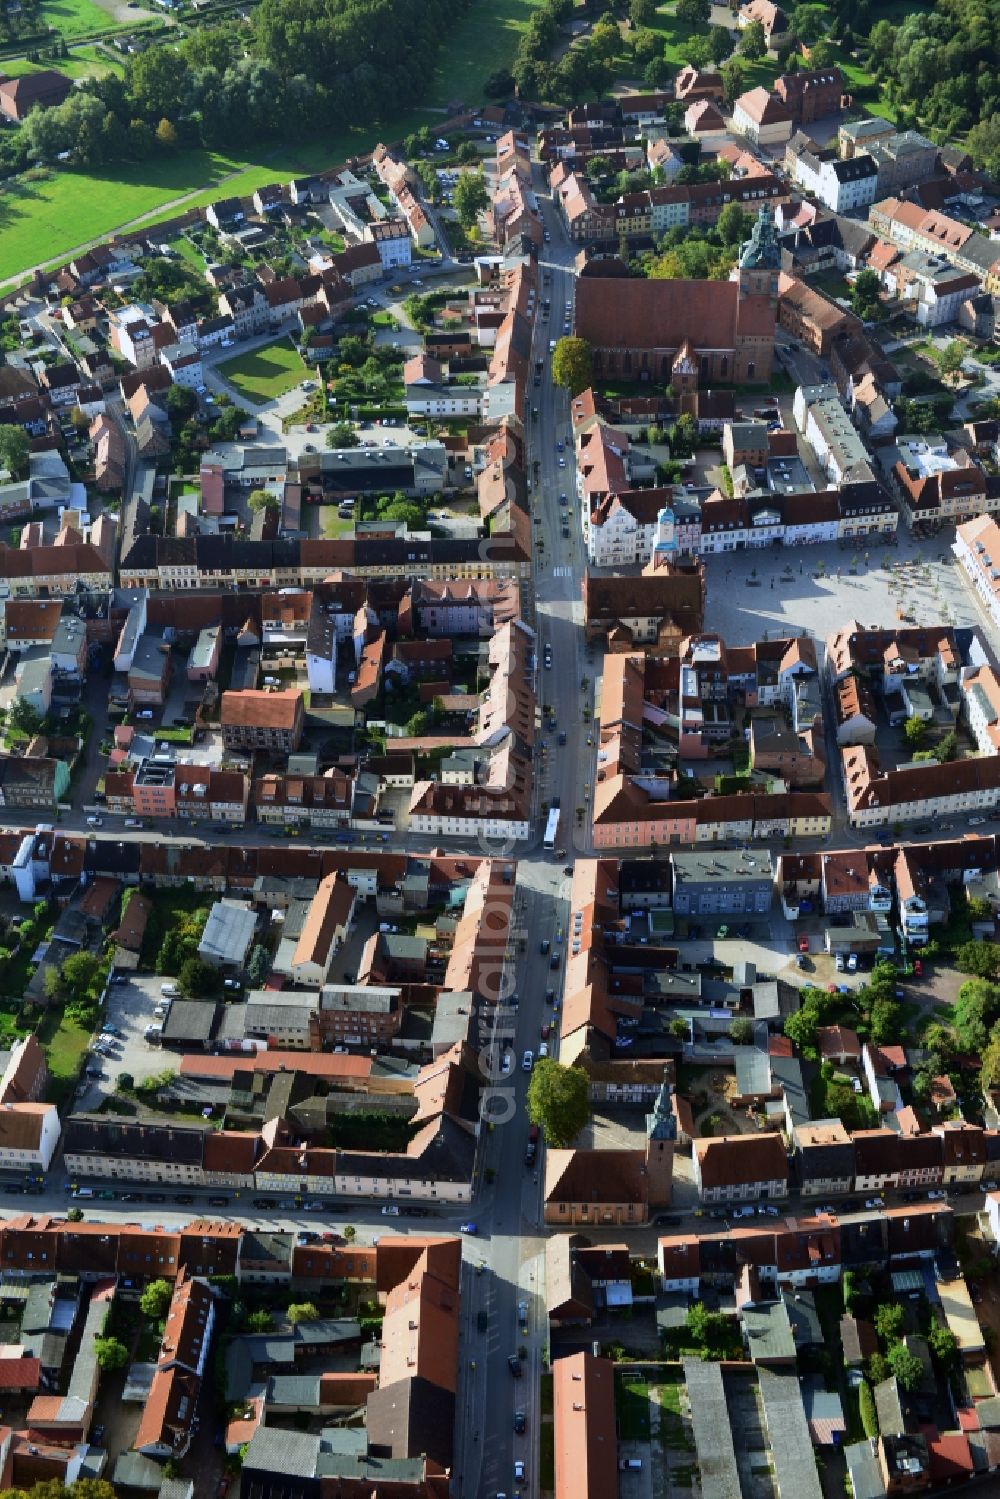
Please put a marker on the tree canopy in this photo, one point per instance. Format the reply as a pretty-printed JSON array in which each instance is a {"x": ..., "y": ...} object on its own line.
[
  {"x": 572, "y": 365},
  {"x": 558, "y": 1101}
]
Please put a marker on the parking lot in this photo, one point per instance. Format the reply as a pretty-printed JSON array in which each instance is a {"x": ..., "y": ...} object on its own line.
[{"x": 130, "y": 1010}]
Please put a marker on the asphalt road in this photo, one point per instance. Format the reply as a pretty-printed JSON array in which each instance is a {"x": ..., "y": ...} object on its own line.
[{"x": 508, "y": 1214}]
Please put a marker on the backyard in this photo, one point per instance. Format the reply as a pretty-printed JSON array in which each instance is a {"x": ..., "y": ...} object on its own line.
[
  {"x": 266, "y": 373},
  {"x": 65, "y": 1043}
]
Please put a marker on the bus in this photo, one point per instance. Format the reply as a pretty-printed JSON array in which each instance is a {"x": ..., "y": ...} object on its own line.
[{"x": 552, "y": 829}]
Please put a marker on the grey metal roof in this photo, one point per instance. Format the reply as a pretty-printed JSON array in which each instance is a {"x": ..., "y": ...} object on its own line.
[
  {"x": 713, "y": 1435},
  {"x": 292, "y": 1453},
  {"x": 788, "y": 1433},
  {"x": 866, "y": 1476}
]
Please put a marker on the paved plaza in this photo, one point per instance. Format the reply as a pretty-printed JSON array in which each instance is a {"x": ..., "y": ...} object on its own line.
[{"x": 817, "y": 589}]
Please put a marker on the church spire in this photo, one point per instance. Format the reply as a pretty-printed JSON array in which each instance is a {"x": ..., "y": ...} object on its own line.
[
  {"x": 762, "y": 250},
  {"x": 661, "y": 1124}
]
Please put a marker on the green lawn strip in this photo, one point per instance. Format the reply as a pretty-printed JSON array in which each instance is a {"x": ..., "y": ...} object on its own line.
[
  {"x": 266, "y": 373},
  {"x": 632, "y": 1407},
  {"x": 189, "y": 252},
  {"x": 547, "y": 1455},
  {"x": 83, "y": 62}
]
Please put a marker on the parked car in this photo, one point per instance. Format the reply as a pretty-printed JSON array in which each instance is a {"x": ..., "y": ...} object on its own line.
[
  {"x": 390, "y": 1210},
  {"x": 514, "y": 1365},
  {"x": 467, "y": 1228}
]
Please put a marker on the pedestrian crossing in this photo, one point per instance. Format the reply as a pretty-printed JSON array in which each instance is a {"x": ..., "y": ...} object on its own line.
[{"x": 562, "y": 572}]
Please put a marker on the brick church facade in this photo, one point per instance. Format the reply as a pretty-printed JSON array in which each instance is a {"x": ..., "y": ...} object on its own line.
[{"x": 685, "y": 334}]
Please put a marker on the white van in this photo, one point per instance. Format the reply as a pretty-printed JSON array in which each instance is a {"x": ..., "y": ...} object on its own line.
[
  {"x": 172, "y": 991},
  {"x": 83, "y": 1192}
]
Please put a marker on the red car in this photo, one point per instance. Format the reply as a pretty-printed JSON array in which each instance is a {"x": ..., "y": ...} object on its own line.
[
  {"x": 545, "y": 1032},
  {"x": 803, "y": 944},
  {"x": 918, "y": 968}
]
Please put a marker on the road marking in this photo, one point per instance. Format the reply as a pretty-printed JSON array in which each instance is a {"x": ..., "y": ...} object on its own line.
[{"x": 562, "y": 572}]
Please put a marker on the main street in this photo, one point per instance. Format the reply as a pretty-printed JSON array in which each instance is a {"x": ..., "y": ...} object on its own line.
[{"x": 508, "y": 1212}]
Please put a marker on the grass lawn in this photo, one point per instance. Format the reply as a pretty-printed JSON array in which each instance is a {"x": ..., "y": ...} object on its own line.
[
  {"x": 632, "y": 1408},
  {"x": 75, "y": 17},
  {"x": 335, "y": 525},
  {"x": 189, "y": 252},
  {"x": 266, "y": 373},
  {"x": 65, "y": 1043}
]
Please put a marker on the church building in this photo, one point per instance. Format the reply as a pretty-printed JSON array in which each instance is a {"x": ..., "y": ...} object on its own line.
[{"x": 685, "y": 334}]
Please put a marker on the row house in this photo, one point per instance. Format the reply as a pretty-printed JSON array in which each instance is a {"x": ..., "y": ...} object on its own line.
[
  {"x": 927, "y": 792},
  {"x": 977, "y": 548},
  {"x": 913, "y": 227},
  {"x": 936, "y": 487}
]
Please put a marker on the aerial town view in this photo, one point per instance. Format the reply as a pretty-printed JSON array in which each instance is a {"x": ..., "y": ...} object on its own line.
[{"x": 499, "y": 749}]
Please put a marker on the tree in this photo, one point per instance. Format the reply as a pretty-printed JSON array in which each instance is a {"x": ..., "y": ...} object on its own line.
[
  {"x": 125, "y": 1082},
  {"x": 75, "y": 1215},
  {"x": 950, "y": 360},
  {"x": 720, "y": 44},
  {"x": 989, "y": 1072},
  {"x": 886, "y": 1021},
  {"x": 914, "y": 732},
  {"x": 753, "y": 42},
  {"x": 350, "y": 1232},
  {"x": 558, "y": 1101},
  {"x": 342, "y": 435},
  {"x": 572, "y": 365},
  {"x": 980, "y": 958},
  {"x": 741, "y": 1030},
  {"x": 470, "y": 198},
  {"x": 801, "y": 1029},
  {"x": 977, "y": 1007},
  {"x": 14, "y": 450},
  {"x": 468, "y": 153},
  {"x": 889, "y": 1319},
  {"x": 260, "y": 1321},
  {"x": 499, "y": 85},
  {"x": 693, "y": 13},
  {"x": 52, "y": 983},
  {"x": 22, "y": 716},
  {"x": 906, "y": 1366},
  {"x": 733, "y": 225},
  {"x": 877, "y": 1369},
  {"x": 182, "y": 403},
  {"x": 809, "y": 22},
  {"x": 155, "y": 1299},
  {"x": 944, "y": 1346},
  {"x": 983, "y": 144},
  {"x": 303, "y": 1311},
  {"x": 418, "y": 723},
  {"x": 866, "y": 1409},
  {"x": 261, "y": 499},
  {"x": 111, "y": 1353},
  {"x": 198, "y": 978},
  {"x": 642, "y": 12},
  {"x": 732, "y": 74},
  {"x": 866, "y": 295},
  {"x": 166, "y": 134},
  {"x": 683, "y": 436},
  {"x": 80, "y": 973}
]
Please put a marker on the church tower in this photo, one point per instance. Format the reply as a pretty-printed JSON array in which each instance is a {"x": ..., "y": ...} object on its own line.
[
  {"x": 661, "y": 1134},
  {"x": 760, "y": 259},
  {"x": 757, "y": 307}
]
